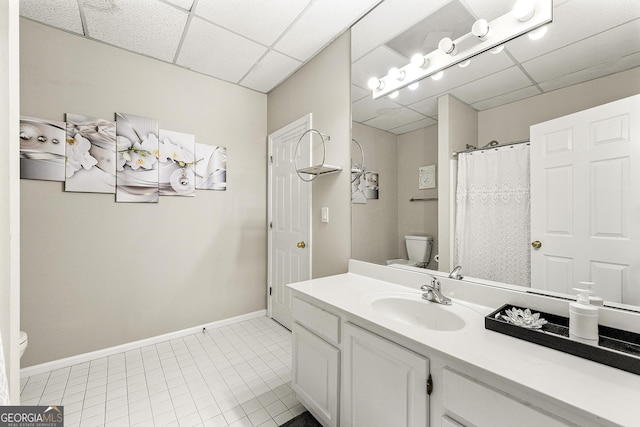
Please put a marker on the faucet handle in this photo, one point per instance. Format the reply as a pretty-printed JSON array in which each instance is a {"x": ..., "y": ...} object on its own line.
[{"x": 425, "y": 288}]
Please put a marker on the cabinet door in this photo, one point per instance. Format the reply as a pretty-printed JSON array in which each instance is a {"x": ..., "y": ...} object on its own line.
[
  {"x": 314, "y": 375},
  {"x": 384, "y": 384}
]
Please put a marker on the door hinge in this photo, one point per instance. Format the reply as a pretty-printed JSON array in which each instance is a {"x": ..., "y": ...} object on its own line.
[
  {"x": 269, "y": 290},
  {"x": 270, "y": 159},
  {"x": 429, "y": 385},
  {"x": 271, "y": 225}
]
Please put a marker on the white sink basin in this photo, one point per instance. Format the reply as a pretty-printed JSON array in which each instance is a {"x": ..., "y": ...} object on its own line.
[{"x": 413, "y": 310}]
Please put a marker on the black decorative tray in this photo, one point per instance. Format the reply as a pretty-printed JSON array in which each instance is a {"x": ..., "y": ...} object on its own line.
[{"x": 616, "y": 348}]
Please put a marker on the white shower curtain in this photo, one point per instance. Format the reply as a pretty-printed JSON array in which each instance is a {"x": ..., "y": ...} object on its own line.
[{"x": 493, "y": 215}]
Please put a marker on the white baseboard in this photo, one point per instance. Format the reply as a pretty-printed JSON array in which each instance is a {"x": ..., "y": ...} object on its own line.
[{"x": 110, "y": 351}]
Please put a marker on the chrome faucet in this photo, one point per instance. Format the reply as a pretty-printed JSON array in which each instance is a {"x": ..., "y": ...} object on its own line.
[
  {"x": 455, "y": 273},
  {"x": 432, "y": 292}
]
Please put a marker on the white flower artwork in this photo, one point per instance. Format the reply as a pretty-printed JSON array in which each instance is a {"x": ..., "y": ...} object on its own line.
[
  {"x": 42, "y": 149},
  {"x": 137, "y": 159},
  {"x": 211, "y": 167},
  {"x": 177, "y": 162},
  {"x": 90, "y": 155}
]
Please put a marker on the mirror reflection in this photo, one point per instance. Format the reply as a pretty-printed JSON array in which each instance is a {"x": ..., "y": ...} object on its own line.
[{"x": 589, "y": 56}]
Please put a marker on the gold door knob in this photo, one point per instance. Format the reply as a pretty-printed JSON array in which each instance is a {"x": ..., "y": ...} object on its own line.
[
  {"x": 301, "y": 245},
  {"x": 537, "y": 244}
]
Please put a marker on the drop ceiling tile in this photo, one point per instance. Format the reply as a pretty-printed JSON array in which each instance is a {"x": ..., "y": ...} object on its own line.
[
  {"x": 149, "y": 27},
  {"x": 428, "y": 107},
  {"x": 367, "y": 108},
  {"x": 506, "y": 98},
  {"x": 260, "y": 20},
  {"x": 394, "y": 118},
  {"x": 358, "y": 93},
  {"x": 603, "y": 47},
  {"x": 386, "y": 21},
  {"x": 321, "y": 23},
  {"x": 271, "y": 70},
  {"x": 618, "y": 65},
  {"x": 185, "y": 4},
  {"x": 64, "y": 14},
  {"x": 375, "y": 64},
  {"x": 496, "y": 84},
  {"x": 573, "y": 21},
  {"x": 217, "y": 52},
  {"x": 413, "y": 126}
]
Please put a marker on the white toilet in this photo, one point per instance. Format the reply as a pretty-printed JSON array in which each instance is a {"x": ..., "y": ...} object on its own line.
[
  {"x": 419, "y": 251},
  {"x": 24, "y": 342}
]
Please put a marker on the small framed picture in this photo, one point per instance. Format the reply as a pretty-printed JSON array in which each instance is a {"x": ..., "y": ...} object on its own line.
[{"x": 426, "y": 177}]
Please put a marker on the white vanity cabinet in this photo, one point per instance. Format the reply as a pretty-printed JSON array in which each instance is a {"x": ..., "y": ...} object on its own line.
[
  {"x": 383, "y": 383},
  {"x": 469, "y": 401},
  {"x": 315, "y": 365}
]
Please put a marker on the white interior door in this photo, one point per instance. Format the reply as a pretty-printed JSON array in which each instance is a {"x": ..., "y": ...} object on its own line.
[
  {"x": 584, "y": 211},
  {"x": 289, "y": 232}
]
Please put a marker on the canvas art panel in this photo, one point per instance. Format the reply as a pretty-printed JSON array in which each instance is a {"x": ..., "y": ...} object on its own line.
[
  {"x": 371, "y": 185},
  {"x": 136, "y": 161},
  {"x": 90, "y": 155},
  {"x": 358, "y": 184},
  {"x": 177, "y": 162},
  {"x": 426, "y": 177},
  {"x": 42, "y": 149},
  {"x": 211, "y": 167}
]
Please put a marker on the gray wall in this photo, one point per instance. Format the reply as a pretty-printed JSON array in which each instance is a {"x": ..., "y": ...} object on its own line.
[
  {"x": 96, "y": 273},
  {"x": 374, "y": 225},
  {"x": 10, "y": 195},
  {"x": 511, "y": 122},
  {"x": 415, "y": 149},
  {"x": 322, "y": 87}
]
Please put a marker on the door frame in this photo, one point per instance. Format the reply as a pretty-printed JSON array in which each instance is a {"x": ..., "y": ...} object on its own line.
[{"x": 308, "y": 119}]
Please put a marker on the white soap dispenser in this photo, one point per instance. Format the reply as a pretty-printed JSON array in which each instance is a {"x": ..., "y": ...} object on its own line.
[
  {"x": 583, "y": 319},
  {"x": 593, "y": 298}
]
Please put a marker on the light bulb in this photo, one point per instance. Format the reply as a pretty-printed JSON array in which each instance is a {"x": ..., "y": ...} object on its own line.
[
  {"x": 394, "y": 95},
  {"x": 524, "y": 10},
  {"x": 464, "y": 64},
  {"x": 414, "y": 86},
  {"x": 396, "y": 74},
  {"x": 538, "y": 34},
  {"x": 498, "y": 49},
  {"x": 447, "y": 46},
  {"x": 438, "y": 75},
  {"x": 480, "y": 29},
  {"x": 419, "y": 61},
  {"x": 375, "y": 83}
]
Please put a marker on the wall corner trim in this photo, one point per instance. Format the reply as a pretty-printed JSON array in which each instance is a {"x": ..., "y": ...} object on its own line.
[{"x": 110, "y": 351}]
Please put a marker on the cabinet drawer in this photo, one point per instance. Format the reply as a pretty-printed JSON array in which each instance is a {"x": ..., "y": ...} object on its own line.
[
  {"x": 482, "y": 405},
  {"x": 317, "y": 320}
]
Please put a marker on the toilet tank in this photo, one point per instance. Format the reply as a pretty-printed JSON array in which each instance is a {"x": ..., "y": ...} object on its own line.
[{"x": 419, "y": 248}]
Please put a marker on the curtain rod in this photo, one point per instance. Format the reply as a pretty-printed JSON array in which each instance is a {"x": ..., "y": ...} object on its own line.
[{"x": 489, "y": 147}]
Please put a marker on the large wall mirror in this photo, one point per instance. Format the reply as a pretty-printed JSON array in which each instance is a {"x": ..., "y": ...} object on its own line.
[{"x": 588, "y": 56}]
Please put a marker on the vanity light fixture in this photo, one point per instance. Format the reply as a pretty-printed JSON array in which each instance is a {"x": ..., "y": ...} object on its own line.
[
  {"x": 481, "y": 29},
  {"x": 526, "y": 16},
  {"x": 413, "y": 86},
  {"x": 437, "y": 76},
  {"x": 538, "y": 34},
  {"x": 448, "y": 46}
]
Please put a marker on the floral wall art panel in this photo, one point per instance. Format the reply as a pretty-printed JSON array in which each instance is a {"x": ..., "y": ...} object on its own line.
[
  {"x": 42, "y": 149},
  {"x": 136, "y": 161},
  {"x": 211, "y": 167},
  {"x": 177, "y": 162},
  {"x": 91, "y": 155}
]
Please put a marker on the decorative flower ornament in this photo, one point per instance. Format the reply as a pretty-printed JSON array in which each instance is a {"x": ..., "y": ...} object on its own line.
[{"x": 523, "y": 318}]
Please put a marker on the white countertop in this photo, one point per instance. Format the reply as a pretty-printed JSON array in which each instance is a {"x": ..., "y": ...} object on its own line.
[{"x": 608, "y": 393}]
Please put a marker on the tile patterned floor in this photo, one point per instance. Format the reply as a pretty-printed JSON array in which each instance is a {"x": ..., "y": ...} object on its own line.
[{"x": 237, "y": 375}]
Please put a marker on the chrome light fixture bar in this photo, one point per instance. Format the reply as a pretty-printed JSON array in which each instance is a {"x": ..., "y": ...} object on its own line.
[{"x": 526, "y": 16}]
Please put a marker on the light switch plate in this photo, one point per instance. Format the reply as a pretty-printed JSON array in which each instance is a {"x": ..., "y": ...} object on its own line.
[{"x": 325, "y": 214}]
